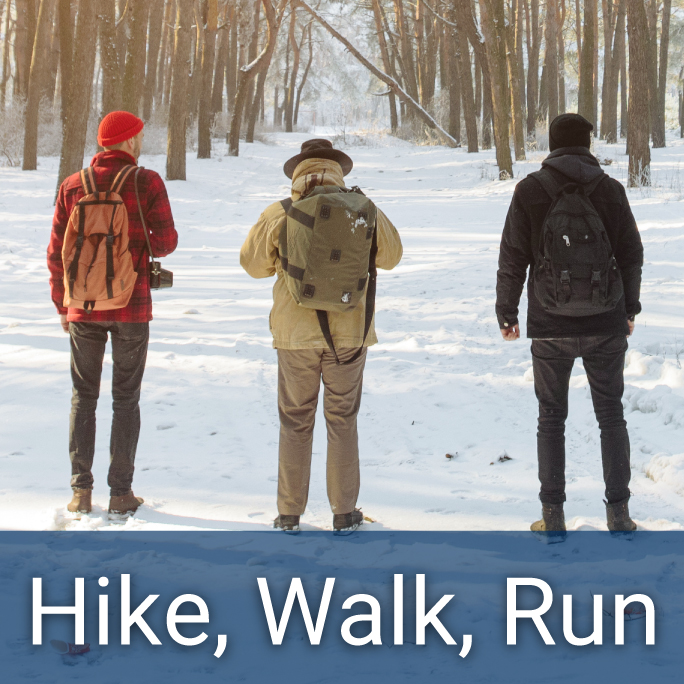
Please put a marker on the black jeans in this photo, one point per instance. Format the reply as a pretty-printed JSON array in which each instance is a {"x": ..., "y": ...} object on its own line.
[
  {"x": 604, "y": 361},
  {"x": 129, "y": 353}
]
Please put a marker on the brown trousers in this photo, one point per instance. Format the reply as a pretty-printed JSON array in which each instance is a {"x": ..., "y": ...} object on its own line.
[{"x": 299, "y": 381}]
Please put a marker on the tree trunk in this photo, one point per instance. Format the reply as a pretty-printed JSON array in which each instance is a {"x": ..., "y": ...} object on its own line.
[
  {"x": 5, "y": 56},
  {"x": 36, "y": 85},
  {"x": 465, "y": 19},
  {"x": 273, "y": 19},
  {"x": 659, "y": 102},
  {"x": 251, "y": 56},
  {"x": 205, "y": 118},
  {"x": 623, "y": 85},
  {"x": 386, "y": 61},
  {"x": 50, "y": 85},
  {"x": 168, "y": 71},
  {"x": 681, "y": 102},
  {"x": 585, "y": 96},
  {"x": 543, "y": 106},
  {"x": 231, "y": 68},
  {"x": 451, "y": 80},
  {"x": 578, "y": 34},
  {"x": 163, "y": 53},
  {"x": 79, "y": 91},
  {"x": 305, "y": 75},
  {"x": 220, "y": 70},
  {"x": 408, "y": 69},
  {"x": 134, "y": 74},
  {"x": 520, "y": 50},
  {"x": 109, "y": 58},
  {"x": 466, "y": 81},
  {"x": 291, "y": 88},
  {"x": 609, "y": 118},
  {"x": 478, "y": 85},
  {"x": 551, "y": 59},
  {"x": 195, "y": 78},
  {"x": 427, "y": 56},
  {"x": 23, "y": 46},
  {"x": 154, "y": 44},
  {"x": 639, "y": 152},
  {"x": 123, "y": 23},
  {"x": 533, "y": 49},
  {"x": 608, "y": 27},
  {"x": 561, "y": 14},
  {"x": 514, "y": 77},
  {"x": 493, "y": 26},
  {"x": 178, "y": 105},
  {"x": 66, "y": 56}
]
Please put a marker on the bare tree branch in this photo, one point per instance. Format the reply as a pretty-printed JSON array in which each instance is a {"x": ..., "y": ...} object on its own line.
[{"x": 400, "y": 92}]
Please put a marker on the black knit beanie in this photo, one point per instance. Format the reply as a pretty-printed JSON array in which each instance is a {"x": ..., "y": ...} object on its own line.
[{"x": 570, "y": 130}]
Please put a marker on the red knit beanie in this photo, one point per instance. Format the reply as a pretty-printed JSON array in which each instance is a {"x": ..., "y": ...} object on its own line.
[{"x": 117, "y": 127}]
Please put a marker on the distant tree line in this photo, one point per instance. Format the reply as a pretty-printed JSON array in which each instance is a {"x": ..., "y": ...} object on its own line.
[{"x": 499, "y": 65}]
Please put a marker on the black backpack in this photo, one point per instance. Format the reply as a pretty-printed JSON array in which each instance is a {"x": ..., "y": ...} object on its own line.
[{"x": 575, "y": 273}]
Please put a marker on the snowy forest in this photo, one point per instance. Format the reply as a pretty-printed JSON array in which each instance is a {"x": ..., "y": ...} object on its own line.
[
  {"x": 453, "y": 72},
  {"x": 444, "y": 107}
]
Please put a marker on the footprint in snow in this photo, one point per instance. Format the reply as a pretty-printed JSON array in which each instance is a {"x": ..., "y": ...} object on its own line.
[
  {"x": 191, "y": 312},
  {"x": 165, "y": 426}
]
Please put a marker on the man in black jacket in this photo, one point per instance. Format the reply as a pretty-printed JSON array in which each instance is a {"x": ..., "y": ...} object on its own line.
[{"x": 557, "y": 340}]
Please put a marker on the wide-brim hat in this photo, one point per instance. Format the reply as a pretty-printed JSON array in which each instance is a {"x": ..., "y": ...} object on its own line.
[{"x": 319, "y": 148}]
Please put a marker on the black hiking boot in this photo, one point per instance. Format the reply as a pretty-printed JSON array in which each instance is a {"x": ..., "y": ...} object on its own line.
[
  {"x": 551, "y": 528},
  {"x": 619, "y": 522},
  {"x": 287, "y": 523},
  {"x": 346, "y": 523}
]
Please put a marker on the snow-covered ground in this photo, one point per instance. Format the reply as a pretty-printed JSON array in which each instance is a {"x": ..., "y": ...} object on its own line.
[{"x": 441, "y": 381}]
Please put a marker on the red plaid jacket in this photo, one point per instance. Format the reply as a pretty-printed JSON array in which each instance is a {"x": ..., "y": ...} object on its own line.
[{"x": 159, "y": 220}]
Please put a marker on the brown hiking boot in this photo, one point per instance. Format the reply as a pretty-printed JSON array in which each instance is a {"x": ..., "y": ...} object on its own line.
[
  {"x": 346, "y": 523},
  {"x": 287, "y": 523},
  {"x": 128, "y": 503},
  {"x": 81, "y": 501},
  {"x": 551, "y": 528}
]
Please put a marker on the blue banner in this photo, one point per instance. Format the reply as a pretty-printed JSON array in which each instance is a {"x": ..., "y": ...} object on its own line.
[{"x": 371, "y": 607}]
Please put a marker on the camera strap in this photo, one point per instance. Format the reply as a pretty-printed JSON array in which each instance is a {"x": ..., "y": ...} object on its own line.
[{"x": 142, "y": 218}]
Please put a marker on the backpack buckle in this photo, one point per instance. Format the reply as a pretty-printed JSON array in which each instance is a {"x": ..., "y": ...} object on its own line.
[
  {"x": 596, "y": 278},
  {"x": 565, "y": 277}
]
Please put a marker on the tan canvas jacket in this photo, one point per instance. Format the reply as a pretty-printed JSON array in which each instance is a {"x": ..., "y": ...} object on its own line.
[{"x": 293, "y": 326}]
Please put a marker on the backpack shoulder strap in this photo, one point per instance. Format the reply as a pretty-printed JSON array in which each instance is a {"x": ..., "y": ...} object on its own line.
[
  {"x": 286, "y": 204},
  {"x": 88, "y": 181},
  {"x": 548, "y": 182},
  {"x": 121, "y": 178},
  {"x": 593, "y": 185}
]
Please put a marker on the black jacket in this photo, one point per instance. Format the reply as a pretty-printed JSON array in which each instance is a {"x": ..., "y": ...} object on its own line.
[{"x": 521, "y": 239}]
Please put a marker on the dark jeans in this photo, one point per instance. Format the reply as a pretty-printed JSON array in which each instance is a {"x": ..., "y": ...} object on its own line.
[
  {"x": 129, "y": 353},
  {"x": 604, "y": 361}
]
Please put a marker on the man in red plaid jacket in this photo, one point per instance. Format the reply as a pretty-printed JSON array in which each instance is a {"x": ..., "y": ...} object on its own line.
[{"x": 120, "y": 134}]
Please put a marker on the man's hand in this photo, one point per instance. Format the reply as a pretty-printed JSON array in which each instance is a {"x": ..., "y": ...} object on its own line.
[
  {"x": 631, "y": 327},
  {"x": 63, "y": 321},
  {"x": 510, "y": 334}
]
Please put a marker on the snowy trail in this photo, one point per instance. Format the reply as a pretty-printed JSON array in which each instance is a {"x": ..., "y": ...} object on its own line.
[{"x": 440, "y": 381}]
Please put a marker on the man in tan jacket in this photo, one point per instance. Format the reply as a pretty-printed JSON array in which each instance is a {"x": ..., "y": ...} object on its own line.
[{"x": 304, "y": 356}]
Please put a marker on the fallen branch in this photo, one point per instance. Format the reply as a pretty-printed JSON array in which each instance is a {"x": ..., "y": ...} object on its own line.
[{"x": 398, "y": 90}]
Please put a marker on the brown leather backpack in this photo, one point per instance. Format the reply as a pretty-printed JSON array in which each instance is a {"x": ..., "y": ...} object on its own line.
[{"x": 98, "y": 267}]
